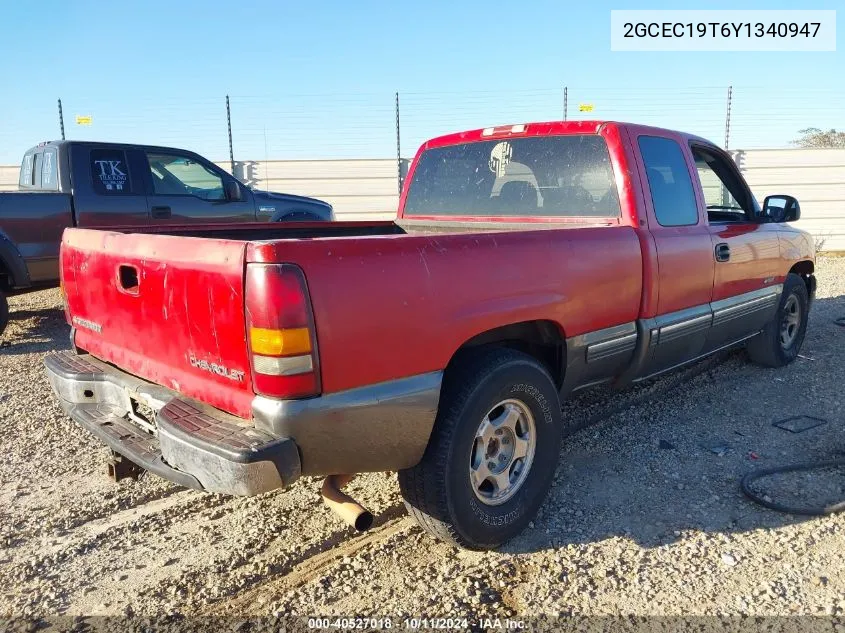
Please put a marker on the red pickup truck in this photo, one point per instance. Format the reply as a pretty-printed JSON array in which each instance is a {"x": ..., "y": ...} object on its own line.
[{"x": 526, "y": 262}]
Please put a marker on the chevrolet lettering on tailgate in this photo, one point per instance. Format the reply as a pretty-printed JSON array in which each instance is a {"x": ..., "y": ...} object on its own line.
[{"x": 221, "y": 370}]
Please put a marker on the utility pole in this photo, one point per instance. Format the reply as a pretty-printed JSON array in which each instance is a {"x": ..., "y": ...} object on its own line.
[
  {"x": 229, "y": 125},
  {"x": 728, "y": 118},
  {"x": 398, "y": 148},
  {"x": 565, "y": 102},
  {"x": 61, "y": 120}
]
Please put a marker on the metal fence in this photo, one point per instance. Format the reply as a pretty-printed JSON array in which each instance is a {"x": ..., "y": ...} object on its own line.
[{"x": 392, "y": 124}]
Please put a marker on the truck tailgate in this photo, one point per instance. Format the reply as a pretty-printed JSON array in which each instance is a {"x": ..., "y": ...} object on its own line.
[{"x": 168, "y": 309}]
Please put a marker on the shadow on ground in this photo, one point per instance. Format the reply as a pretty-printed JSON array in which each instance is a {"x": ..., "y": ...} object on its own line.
[
  {"x": 35, "y": 331},
  {"x": 660, "y": 460}
]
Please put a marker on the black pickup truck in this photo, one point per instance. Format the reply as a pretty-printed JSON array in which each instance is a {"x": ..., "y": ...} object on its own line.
[{"x": 107, "y": 185}]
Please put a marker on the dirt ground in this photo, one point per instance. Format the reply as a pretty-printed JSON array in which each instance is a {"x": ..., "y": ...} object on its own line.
[{"x": 645, "y": 517}]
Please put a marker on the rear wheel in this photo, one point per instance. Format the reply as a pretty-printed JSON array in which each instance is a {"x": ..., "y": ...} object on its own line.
[
  {"x": 780, "y": 341},
  {"x": 492, "y": 454},
  {"x": 4, "y": 311}
]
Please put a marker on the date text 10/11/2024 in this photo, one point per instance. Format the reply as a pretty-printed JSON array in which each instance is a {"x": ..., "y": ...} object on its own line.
[{"x": 419, "y": 624}]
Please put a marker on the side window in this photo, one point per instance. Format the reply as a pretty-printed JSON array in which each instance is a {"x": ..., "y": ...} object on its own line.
[
  {"x": 49, "y": 170},
  {"x": 175, "y": 175},
  {"x": 669, "y": 180},
  {"x": 725, "y": 195},
  {"x": 110, "y": 172}
]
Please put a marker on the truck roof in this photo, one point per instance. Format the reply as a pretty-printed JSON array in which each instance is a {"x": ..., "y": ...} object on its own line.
[
  {"x": 538, "y": 128},
  {"x": 68, "y": 142}
]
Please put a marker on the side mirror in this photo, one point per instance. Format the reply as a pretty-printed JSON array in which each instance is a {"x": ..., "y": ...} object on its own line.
[
  {"x": 233, "y": 191},
  {"x": 781, "y": 208}
]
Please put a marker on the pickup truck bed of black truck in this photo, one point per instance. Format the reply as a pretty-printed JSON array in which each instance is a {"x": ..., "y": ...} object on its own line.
[{"x": 109, "y": 185}]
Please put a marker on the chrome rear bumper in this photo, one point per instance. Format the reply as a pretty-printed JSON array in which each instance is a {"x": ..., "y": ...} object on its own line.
[{"x": 183, "y": 441}]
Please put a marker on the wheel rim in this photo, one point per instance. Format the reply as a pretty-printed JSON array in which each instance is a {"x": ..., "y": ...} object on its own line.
[
  {"x": 791, "y": 322},
  {"x": 502, "y": 452}
]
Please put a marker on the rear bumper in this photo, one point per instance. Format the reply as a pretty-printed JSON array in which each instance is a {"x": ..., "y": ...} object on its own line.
[
  {"x": 375, "y": 428},
  {"x": 194, "y": 446}
]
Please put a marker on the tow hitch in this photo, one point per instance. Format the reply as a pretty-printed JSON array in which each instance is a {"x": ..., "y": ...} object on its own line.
[{"x": 118, "y": 467}]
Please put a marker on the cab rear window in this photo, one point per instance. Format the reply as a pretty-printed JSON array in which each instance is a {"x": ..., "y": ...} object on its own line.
[{"x": 554, "y": 176}]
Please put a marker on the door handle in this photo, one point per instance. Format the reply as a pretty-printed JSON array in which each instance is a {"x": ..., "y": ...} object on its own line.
[
  {"x": 723, "y": 252},
  {"x": 160, "y": 213}
]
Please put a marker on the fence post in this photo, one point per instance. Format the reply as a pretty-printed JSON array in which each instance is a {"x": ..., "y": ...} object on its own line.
[
  {"x": 61, "y": 120},
  {"x": 728, "y": 118},
  {"x": 565, "y": 102},
  {"x": 229, "y": 126},
  {"x": 398, "y": 148}
]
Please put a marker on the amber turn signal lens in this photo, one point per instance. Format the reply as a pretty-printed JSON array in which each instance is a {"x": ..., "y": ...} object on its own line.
[{"x": 287, "y": 342}]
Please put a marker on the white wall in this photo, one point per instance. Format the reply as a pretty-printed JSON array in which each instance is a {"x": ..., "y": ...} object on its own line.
[
  {"x": 357, "y": 189},
  {"x": 9, "y": 177},
  {"x": 815, "y": 176}
]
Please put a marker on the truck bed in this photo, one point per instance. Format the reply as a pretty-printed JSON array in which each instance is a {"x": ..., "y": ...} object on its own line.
[
  {"x": 387, "y": 304},
  {"x": 315, "y": 230},
  {"x": 33, "y": 225}
]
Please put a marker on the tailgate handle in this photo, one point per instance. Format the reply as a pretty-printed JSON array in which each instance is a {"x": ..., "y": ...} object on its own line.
[{"x": 127, "y": 279}]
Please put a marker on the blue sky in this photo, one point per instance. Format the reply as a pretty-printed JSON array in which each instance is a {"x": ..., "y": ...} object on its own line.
[{"x": 317, "y": 80}]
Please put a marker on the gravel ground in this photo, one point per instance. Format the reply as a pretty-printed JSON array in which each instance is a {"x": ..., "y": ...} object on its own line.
[{"x": 645, "y": 516}]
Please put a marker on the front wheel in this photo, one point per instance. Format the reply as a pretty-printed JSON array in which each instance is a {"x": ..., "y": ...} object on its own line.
[
  {"x": 780, "y": 341},
  {"x": 492, "y": 454},
  {"x": 4, "y": 311}
]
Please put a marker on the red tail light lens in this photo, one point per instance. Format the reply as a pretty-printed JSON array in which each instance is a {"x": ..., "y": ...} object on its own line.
[{"x": 280, "y": 332}]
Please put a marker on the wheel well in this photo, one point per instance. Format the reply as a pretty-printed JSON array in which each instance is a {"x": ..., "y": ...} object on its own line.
[
  {"x": 544, "y": 340},
  {"x": 298, "y": 215},
  {"x": 805, "y": 270}
]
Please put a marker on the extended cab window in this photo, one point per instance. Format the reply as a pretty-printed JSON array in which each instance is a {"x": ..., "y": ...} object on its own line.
[
  {"x": 528, "y": 176},
  {"x": 110, "y": 172},
  {"x": 175, "y": 175},
  {"x": 669, "y": 180}
]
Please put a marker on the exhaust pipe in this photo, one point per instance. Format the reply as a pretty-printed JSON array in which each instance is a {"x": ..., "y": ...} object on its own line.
[{"x": 343, "y": 505}]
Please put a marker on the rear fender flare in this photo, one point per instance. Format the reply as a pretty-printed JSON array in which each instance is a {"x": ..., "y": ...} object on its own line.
[
  {"x": 296, "y": 215},
  {"x": 12, "y": 263}
]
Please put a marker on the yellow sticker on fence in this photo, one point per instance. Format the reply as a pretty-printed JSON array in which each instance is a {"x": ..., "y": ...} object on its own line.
[
  {"x": 84, "y": 120},
  {"x": 585, "y": 107}
]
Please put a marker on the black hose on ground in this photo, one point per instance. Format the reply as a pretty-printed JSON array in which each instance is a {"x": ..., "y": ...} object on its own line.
[
  {"x": 750, "y": 478},
  {"x": 840, "y": 321}
]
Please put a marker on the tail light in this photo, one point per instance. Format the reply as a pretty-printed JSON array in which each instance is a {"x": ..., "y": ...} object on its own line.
[{"x": 280, "y": 332}]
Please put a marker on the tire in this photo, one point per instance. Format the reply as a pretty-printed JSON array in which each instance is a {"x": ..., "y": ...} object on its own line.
[
  {"x": 780, "y": 341},
  {"x": 4, "y": 312},
  {"x": 439, "y": 491}
]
